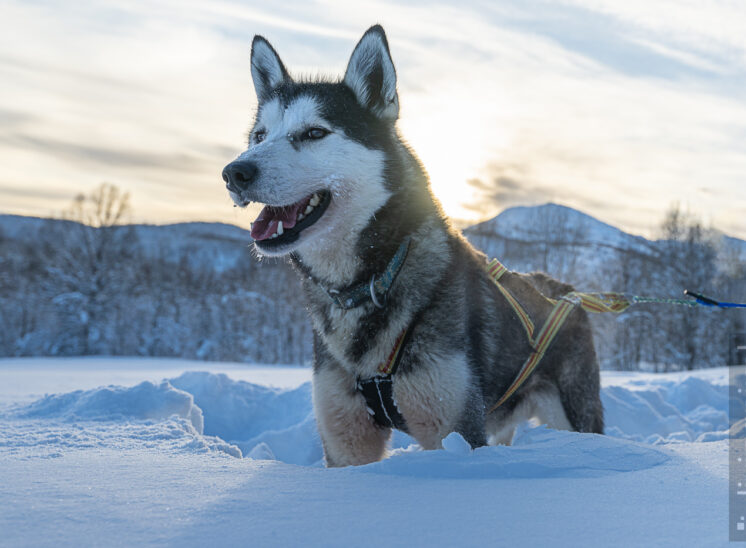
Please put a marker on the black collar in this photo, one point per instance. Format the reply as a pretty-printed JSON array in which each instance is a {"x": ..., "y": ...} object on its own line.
[{"x": 376, "y": 290}]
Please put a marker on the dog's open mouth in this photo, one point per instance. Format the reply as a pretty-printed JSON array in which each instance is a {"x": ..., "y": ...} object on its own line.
[{"x": 278, "y": 225}]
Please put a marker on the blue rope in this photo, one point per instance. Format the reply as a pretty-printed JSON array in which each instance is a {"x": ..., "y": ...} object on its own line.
[{"x": 708, "y": 301}]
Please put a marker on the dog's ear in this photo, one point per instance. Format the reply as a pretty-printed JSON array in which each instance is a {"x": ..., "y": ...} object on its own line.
[
  {"x": 371, "y": 74},
  {"x": 267, "y": 69}
]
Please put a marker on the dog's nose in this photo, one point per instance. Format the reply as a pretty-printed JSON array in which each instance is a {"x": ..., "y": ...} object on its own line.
[{"x": 239, "y": 175}]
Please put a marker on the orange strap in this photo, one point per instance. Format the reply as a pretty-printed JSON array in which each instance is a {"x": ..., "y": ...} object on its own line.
[
  {"x": 386, "y": 367},
  {"x": 592, "y": 302}
]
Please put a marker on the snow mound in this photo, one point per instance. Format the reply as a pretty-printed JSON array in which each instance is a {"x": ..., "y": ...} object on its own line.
[
  {"x": 239, "y": 410},
  {"x": 44, "y": 438},
  {"x": 667, "y": 410},
  {"x": 264, "y": 422},
  {"x": 456, "y": 444},
  {"x": 297, "y": 444},
  {"x": 536, "y": 453},
  {"x": 148, "y": 415},
  {"x": 112, "y": 403}
]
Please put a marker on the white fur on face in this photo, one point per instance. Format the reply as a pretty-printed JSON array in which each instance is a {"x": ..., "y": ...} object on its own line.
[{"x": 350, "y": 171}]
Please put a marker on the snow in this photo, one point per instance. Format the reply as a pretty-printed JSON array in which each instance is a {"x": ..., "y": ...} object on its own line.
[
  {"x": 520, "y": 222},
  {"x": 145, "y": 451},
  {"x": 24, "y": 379},
  {"x": 672, "y": 408}
]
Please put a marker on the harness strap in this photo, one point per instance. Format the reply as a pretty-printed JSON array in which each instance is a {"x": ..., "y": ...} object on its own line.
[
  {"x": 496, "y": 269},
  {"x": 563, "y": 307},
  {"x": 591, "y": 302},
  {"x": 378, "y": 391},
  {"x": 379, "y": 398},
  {"x": 392, "y": 362},
  {"x": 548, "y": 332}
]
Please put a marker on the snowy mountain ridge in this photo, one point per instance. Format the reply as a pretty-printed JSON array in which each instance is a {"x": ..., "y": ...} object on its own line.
[{"x": 224, "y": 242}]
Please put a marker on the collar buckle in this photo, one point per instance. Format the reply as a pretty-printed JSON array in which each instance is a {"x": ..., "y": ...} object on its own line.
[{"x": 373, "y": 296}]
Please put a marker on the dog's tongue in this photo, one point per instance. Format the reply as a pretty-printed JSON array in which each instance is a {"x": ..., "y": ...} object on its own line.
[{"x": 266, "y": 223}]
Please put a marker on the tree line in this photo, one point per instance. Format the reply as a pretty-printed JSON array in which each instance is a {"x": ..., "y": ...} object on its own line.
[{"x": 87, "y": 285}]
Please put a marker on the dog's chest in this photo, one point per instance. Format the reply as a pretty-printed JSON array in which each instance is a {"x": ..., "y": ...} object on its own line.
[{"x": 341, "y": 332}]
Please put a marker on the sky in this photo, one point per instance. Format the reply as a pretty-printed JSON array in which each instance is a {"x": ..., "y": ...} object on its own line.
[{"x": 619, "y": 109}]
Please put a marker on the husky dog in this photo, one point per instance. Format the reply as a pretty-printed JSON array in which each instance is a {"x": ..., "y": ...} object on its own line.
[{"x": 350, "y": 204}]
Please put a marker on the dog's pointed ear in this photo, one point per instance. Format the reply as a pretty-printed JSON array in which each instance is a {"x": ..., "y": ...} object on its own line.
[
  {"x": 267, "y": 69},
  {"x": 371, "y": 74}
]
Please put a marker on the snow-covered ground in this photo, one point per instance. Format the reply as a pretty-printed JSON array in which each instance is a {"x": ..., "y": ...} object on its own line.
[{"x": 106, "y": 452}]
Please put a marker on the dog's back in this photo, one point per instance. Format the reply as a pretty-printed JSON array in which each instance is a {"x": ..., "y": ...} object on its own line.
[{"x": 548, "y": 286}]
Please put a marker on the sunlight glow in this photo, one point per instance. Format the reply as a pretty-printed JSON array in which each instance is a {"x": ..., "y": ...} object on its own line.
[{"x": 642, "y": 108}]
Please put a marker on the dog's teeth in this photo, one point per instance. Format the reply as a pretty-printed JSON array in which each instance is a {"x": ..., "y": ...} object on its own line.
[
  {"x": 301, "y": 217},
  {"x": 280, "y": 230},
  {"x": 309, "y": 209},
  {"x": 315, "y": 200},
  {"x": 274, "y": 235}
]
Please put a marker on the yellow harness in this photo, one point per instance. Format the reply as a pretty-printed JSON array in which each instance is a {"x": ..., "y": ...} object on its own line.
[
  {"x": 561, "y": 310},
  {"x": 592, "y": 302}
]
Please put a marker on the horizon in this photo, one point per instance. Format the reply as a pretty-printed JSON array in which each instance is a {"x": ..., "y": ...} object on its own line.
[
  {"x": 463, "y": 227},
  {"x": 617, "y": 111}
]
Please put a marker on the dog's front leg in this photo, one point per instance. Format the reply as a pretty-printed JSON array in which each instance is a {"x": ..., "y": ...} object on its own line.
[
  {"x": 437, "y": 396},
  {"x": 348, "y": 434}
]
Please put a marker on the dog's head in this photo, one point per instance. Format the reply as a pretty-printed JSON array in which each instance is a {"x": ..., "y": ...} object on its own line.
[{"x": 316, "y": 153}]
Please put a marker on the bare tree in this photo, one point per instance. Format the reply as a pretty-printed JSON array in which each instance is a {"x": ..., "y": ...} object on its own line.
[
  {"x": 105, "y": 206},
  {"x": 689, "y": 251},
  {"x": 92, "y": 260}
]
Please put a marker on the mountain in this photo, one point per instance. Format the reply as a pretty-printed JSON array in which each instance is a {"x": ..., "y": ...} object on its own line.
[
  {"x": 576, "y": 247},
  {"x": 217, "y": 246},
  {"x": 559, "y": 240}
]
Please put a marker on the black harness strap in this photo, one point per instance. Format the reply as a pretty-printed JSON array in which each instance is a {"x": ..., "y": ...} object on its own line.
[
  {"x": 378, "y": 392},
  {"x": 379, "y": 397}
]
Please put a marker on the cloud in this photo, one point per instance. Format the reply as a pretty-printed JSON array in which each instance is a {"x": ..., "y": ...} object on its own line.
[
  {"x": 82, "y": 155},
  {"x": 34, "y": 192},
  {"x": 507, "y": 192},
  {"x": 619, "y": 108}
]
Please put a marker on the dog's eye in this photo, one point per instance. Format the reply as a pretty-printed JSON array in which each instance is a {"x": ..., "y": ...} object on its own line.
[
  {"x": 315, "y": 133},
  {"x": 259, "y": 136}
]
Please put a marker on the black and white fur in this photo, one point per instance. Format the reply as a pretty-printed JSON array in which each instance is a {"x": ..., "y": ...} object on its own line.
[{"x": 466, "y": 344}]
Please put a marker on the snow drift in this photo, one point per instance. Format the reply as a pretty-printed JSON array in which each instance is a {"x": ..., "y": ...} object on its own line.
[
  {"x": 111, "y": 403},
  {"x": 277, "y": 424}
]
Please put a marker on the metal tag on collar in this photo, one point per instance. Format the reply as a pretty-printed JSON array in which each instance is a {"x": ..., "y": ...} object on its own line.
[{"x": 373, "y": 296}]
